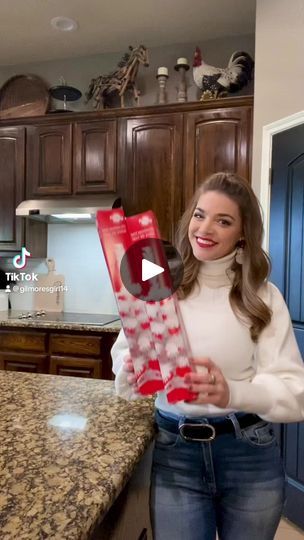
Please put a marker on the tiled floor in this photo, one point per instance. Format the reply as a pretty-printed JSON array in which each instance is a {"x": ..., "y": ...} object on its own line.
[{"x": 287, "y": 531}]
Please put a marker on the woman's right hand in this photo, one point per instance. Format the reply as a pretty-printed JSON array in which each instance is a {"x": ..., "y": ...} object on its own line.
[{"x": 131, "y": 378}]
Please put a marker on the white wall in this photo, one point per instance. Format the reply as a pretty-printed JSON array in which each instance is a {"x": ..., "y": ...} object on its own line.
[
  {"x": 279, "y": 74},
  {"x": 78, "y": 256},
  {"x": 78, "y": 72}
]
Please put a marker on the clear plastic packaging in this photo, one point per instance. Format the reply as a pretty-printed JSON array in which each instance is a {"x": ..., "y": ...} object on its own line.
[
  {"x": 115, "y": 241},
  {"x": 158, "y": 343}
]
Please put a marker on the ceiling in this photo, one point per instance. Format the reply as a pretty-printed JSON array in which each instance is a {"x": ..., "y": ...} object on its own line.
[{"x": 110, "y": 26}]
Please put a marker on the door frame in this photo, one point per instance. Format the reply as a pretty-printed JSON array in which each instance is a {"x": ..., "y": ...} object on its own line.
[
  {"x": 292, "y": 508},
  {"x": 266, "y": 163}
]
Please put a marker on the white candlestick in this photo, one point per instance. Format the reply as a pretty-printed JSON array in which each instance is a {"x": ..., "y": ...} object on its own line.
[
  {"x": 183, "y": 61},
  {"x": 162, "y": 71}
]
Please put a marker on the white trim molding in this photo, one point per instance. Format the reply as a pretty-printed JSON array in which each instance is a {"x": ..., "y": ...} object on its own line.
[{"x": 265, "y": 190}]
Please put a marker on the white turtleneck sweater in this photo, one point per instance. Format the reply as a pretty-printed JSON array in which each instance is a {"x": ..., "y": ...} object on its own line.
[{"x": 266, "y": 378}]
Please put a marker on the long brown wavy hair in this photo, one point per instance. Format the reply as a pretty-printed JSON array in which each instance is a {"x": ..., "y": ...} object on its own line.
[{"x": 249, "y": 276}]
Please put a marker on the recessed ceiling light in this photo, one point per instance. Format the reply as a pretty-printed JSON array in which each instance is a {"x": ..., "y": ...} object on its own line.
[{"x": 65, "y": 24}]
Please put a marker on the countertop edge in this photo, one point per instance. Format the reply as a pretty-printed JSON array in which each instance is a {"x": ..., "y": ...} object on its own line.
[{"x": 25, "y": 323}]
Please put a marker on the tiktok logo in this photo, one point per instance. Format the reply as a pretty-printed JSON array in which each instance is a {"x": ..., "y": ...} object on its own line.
[{"x": 19, "y": 261}]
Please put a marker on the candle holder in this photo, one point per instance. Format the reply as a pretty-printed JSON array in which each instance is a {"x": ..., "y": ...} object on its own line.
[
  {"x": 162, "y": 76},
  {"x": 182, "y": 66}
]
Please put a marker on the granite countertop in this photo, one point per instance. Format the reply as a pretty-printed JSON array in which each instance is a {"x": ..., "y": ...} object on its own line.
[
  {"x": 57, "y": 321},
  {"x": 68, "y": 447},
  {"x": 114, "y": 326}
]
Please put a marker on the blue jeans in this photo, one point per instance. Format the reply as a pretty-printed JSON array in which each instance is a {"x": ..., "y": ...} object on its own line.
[{"x": 234, "y": 485}]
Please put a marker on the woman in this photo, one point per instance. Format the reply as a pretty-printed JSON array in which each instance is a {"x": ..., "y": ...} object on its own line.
[{"x": 216, "y": 463}]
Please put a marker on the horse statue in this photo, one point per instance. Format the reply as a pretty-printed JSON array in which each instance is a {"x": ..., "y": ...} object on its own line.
[{"x": 120, "y": 80}]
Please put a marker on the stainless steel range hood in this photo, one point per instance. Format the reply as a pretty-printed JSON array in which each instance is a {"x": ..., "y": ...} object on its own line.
[{"x": 69, "y": 210}]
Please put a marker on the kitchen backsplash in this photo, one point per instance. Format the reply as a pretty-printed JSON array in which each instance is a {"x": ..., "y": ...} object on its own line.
[{"x": 78, "y": 256}]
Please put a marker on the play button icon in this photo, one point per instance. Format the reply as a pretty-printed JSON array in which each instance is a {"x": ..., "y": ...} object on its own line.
[{"x": 151, "y": 269}]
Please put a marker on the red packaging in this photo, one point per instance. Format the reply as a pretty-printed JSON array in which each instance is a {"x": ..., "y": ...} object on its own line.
[
  {"x": 170, "y": 338},
  {"x": 115, "y": 241}
]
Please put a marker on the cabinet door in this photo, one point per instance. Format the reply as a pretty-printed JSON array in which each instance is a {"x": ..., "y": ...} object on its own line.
[
  {"x": 75, "y": 367},
  {"x": 216, "y": 140},
  {"x": 94, "y": 162},
  {"x": 30, "y": 363},
  {"x": 12, "y": 162},
  {"x": 49, "y": 160},
  {"x": 150, "y": 167}
]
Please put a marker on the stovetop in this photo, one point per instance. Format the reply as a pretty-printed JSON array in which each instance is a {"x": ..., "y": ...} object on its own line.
[{"x": 64, "y": 317}]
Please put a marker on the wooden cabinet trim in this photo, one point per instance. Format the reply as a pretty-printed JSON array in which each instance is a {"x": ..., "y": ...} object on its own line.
[{"x": 132, "y": 111}]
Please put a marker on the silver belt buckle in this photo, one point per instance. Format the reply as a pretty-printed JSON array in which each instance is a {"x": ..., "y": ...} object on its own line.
[{"x": 197, "y": 439}]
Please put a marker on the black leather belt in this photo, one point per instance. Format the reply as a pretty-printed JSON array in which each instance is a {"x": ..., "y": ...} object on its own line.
[{"x": 204, "y": 432}]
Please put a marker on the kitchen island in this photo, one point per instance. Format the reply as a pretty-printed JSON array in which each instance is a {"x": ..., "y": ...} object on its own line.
[{"x": 68, "y": 448}]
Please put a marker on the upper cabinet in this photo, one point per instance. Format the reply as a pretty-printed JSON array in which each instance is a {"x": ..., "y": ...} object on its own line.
[
  {"x": 150, "y": 167},
  {"x": 94, "y": 157},
  {"x": 49, "y": 160},
  {"x": 216, "y": 140},
  {"x": 162, "y": 158},
  {"x": 71, "y": 158},
  {"x": 15, "y": 232},
  {"x": 153, "y": 157},
  {"x": 12, "y": 162}
]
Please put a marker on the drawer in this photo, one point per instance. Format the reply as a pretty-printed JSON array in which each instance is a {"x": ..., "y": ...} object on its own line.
[
  {"x": 75, "y": 345},
  {"x": 30, "y": 363},
  {"x": 23, "y": 341},
  {"x": 75, "y": 367}
]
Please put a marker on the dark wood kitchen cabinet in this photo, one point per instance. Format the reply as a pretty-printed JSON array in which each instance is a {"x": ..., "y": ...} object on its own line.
[
  {"x": 75, "y": 367},
  {"x": 12, "y": 188},
  {"x": 94, "y": 157},
  {"x": 14, "y": 231},
  {"x": 49, "y": 160},
  {"x": 150, "y": 167},
  {"x": 29, "y": 363},
  {"x": 78, "y": 355},
  {"x": 218, "y": 139},
  {"x": 164, "y": 157},
  {"x": 71, "y": 158},
  {"x": 23, "y": 351},
  {"x": 153, "y": 157},
  {"x": 71, "y": 353}
]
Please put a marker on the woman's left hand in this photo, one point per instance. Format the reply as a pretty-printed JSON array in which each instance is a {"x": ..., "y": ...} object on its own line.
[{"x": 210, "y": 387}]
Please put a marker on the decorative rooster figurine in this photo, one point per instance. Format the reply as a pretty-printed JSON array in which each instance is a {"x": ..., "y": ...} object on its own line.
[{"x": 217, "y": 82}]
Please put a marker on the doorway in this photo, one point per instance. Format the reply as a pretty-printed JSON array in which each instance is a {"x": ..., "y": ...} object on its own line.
[{"x": 286, "y": 248}]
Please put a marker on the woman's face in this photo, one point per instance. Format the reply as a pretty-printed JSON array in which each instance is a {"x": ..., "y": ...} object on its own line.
[{"x": 215, "y": 226}]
